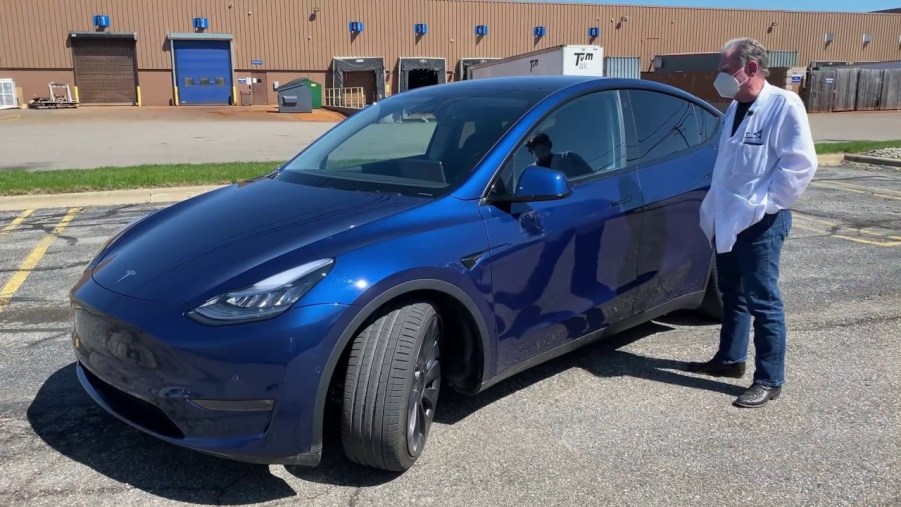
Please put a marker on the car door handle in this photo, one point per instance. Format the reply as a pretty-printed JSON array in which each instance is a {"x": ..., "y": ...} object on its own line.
[{"x": 622, "y": 201}]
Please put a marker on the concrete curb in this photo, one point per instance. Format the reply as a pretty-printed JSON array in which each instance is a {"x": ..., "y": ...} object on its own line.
[
  {"x": 105, "y": 198},
  {"x": 864, "y": 159},
  {"x": 831, "y": 159}
]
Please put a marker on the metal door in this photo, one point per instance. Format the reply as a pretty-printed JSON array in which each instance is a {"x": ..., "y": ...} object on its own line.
[
  {"x": 203, "y": 72},
  {"x": 105, "y": 70}
]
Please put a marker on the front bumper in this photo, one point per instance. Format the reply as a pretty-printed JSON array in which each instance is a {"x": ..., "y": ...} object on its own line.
[{"x": 243, "y": 392}]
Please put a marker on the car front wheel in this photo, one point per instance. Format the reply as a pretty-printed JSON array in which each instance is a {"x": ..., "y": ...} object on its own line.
[{"x": 391, "y": 388}]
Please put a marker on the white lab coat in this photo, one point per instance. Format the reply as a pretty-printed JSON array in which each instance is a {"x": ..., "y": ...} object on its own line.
[{"x": 762, "y": 169}]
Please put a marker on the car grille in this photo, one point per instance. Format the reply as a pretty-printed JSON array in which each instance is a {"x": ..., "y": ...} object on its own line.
[{"x": 136, "y": 410}]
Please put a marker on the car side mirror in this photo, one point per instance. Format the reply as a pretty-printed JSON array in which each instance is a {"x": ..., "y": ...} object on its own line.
[{"x": 539, "y": 184}]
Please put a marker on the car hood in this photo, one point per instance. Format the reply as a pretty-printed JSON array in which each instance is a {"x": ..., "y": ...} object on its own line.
[{"x": 233, "y": 237}]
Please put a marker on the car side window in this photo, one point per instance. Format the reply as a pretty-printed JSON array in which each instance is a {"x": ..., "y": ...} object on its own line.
[
  {"x": 709, "y": 124},
  {"x": 582, "y": 139},
  {"x": 662, "y": 125}
]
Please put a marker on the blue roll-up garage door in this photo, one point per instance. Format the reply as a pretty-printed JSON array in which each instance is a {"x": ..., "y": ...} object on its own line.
[{"x": 203, "y": 71}]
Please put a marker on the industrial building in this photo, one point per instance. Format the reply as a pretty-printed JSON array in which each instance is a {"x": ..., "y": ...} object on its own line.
[{"x": 186, "y": 52}]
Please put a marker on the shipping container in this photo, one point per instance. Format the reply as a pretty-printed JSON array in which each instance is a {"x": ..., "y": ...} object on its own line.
[
  {"x": 564, "y": 60},
  {"x": 701, "y": 62},
  {"x": 687, "y": 62},
  {"x": 891, "y": 64}
]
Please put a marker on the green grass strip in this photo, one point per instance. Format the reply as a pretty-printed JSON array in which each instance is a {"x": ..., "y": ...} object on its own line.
[
  {"x": 22, "y": 182},
  {"x": 855, "y": 146}
]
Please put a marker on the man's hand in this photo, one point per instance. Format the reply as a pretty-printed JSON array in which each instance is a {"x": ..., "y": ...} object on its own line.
[{"x": 797, "y": 159}]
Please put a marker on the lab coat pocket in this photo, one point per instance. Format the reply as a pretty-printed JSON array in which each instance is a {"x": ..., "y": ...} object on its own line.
[{"x": 751, "y": 159}]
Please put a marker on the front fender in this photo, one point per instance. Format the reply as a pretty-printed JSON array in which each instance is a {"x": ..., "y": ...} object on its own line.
[{"x": 376, "y": 297}]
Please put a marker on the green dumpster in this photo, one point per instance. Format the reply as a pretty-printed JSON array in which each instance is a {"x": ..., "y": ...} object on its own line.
[{"x": 316, "y": 91}]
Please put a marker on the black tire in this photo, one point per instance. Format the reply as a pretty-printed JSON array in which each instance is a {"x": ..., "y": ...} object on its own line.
[
  {"x": 712, "y": 305},
  {"x": 393, "y": 368}
]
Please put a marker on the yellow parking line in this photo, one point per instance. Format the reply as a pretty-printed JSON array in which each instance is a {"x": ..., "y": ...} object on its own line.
[
  {"x": 884, "y": 193},
  {"x": 836, "y": 224},
  {"x": 6, "y": 119},
  {"x": 16, "y": 221},
  {"x": 867, "y": 241},
  {"x": 36, "y": 254},
  {"x": 843, "y": 184},
  {"x": 824, "y": 227}
]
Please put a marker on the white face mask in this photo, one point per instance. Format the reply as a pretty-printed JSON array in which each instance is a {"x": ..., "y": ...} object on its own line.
[{"x": 726, "y": 85}]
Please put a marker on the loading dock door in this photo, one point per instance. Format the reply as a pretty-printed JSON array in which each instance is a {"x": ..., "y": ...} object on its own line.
[
  {"x": 361, "y": 80},
  {"x": 365, "y": 73},
  {"x": 203, "y": 72},
  {"x": 105, "y": 70},
  {"x": 418, "y": 72}
]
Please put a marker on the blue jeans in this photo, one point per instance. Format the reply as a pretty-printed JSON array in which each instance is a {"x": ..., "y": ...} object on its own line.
[{"x": 749, "y": 280}]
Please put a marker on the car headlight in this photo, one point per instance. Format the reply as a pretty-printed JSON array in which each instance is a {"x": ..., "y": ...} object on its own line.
[{"x": 264, "y": 299}]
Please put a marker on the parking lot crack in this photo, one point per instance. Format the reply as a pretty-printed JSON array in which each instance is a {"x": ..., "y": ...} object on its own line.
[
  {"x": 355, "y": 498},
  {"x": 854, "y": 322},
  {"x": 319, "y": 495},
  {"x": 222, "y": 491}
]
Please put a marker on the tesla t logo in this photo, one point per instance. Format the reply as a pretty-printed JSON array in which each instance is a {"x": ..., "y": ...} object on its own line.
[
  {"x": 533, "y": 64},
  {"x": 584, "y": 57},
  {"x": 126, "y": 275}
]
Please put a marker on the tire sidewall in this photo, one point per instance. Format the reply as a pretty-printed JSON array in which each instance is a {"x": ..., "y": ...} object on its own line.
[{"x": 431, "y": 316}]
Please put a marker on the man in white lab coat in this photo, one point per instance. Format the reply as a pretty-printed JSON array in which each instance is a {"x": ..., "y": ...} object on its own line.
[{"x": 766, "y": 160}]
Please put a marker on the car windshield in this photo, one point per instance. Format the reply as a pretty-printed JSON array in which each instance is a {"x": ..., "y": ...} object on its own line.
[{"x": 421, "y": 144}]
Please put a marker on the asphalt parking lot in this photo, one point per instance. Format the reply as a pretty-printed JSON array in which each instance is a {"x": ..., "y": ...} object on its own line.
[
  {"x": 616, "y": 423},
  {"x": 120, "y": 136}
]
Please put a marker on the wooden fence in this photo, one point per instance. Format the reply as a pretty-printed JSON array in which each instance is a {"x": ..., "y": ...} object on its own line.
[
  {"x": 700, "y": 83},
  {"x": 852, "y": 89},
  {"x": 824, "y": 90}
]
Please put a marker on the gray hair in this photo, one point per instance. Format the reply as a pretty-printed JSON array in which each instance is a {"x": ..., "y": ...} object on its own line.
[{"x": 749, "y": 49}]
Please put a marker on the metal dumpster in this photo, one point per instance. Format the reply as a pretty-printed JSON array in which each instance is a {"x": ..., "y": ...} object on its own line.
[{"x": 295, "y": 97}]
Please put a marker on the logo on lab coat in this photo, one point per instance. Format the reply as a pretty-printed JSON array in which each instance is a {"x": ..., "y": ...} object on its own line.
[{"x": 754, "y": 137}]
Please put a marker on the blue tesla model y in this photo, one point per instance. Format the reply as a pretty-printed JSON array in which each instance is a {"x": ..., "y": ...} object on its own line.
[{"x": 447, "y": 237}]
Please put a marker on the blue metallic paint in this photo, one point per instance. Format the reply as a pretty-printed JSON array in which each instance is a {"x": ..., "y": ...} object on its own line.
[
  {"x": 635, "y": 230},
  {"x": 123, "y": 345},
  {"x": 562, "y": 269},
  {"x": 674, "y": 256},
  {"x": 541, "y": 184}
]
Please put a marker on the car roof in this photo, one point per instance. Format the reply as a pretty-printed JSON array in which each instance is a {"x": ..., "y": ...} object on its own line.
[
  {"x": 546, "y": 85},
  {"x": 511, "y": 85}
]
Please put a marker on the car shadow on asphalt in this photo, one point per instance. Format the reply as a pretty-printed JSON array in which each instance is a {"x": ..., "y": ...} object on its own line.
[
  {"x": 603, "y": 359},
  {"x": 69, "y": 421}
]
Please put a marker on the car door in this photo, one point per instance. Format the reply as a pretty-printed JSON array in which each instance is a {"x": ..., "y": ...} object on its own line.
[
  {"x": 670, "y": 147},
  {"x": 562, "y": 269}
]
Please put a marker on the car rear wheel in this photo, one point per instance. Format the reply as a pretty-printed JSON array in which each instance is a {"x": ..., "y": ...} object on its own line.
[{"x": 391, "y": 388}]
